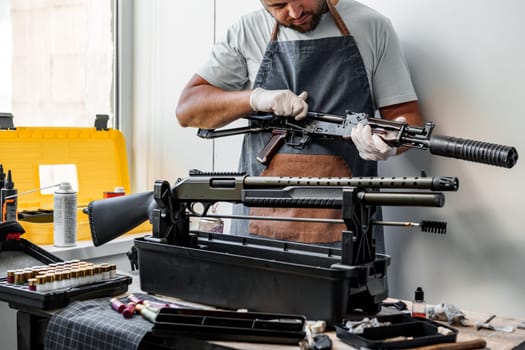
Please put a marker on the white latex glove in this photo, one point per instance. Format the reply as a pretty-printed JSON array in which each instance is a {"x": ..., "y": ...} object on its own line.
[
  {"x": 279, "y": 102},
  {"x": 371, "y": 146}
]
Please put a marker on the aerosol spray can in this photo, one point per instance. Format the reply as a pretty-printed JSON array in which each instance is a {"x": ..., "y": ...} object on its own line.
[{"x": 65, "y": 216}]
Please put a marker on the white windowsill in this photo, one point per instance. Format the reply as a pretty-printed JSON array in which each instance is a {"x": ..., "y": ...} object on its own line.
[{"x": 86, "y": 250}]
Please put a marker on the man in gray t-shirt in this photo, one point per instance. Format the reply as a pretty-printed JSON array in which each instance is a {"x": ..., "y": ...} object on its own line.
[
  {"x": 236, "y": 57},
  {"x": 293, "y": 56}
]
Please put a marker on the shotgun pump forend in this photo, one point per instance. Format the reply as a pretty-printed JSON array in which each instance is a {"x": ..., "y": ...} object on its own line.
[
  {"x": 299, "y": 133},
  {"x": 168, "y": 208}
]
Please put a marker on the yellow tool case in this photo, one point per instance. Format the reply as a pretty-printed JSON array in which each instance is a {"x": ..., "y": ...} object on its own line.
[{"x": 97, "y": 155}]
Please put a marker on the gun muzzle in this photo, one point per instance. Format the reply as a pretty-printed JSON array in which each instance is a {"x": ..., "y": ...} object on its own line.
[{"x": 475, "y": 151}]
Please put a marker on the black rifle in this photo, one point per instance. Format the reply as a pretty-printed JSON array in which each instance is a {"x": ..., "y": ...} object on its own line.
[
  {"x": 169, "y": 208},
  {"x": 300, "y": 133}
]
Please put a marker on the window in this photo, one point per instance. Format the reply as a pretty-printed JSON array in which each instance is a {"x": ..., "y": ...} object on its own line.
[{"x": 59, "y": 67}]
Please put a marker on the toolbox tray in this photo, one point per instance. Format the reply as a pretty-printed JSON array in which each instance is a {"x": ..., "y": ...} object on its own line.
[
  {"x": 422, "y": 331},
  {"x": 19, "y": 296},
  {"x": 229, "y": 325},
  {"x": 29, "y": 249},
  {"x": 260, "y": 275}
]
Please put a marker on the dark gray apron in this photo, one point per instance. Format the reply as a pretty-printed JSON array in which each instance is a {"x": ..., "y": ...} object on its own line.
[{"x": 332, "y": 71}]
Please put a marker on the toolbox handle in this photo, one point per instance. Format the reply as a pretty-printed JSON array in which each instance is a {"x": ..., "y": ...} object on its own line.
[
  {"x": 101, "y": 122},
  {"x": 6, "y": 121}
]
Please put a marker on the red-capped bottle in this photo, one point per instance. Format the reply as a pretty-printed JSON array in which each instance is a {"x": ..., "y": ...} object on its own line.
[{"x": 419, "y": 307}]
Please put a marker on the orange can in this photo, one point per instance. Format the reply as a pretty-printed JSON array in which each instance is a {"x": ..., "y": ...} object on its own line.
[{"x": 118, "y": 191}]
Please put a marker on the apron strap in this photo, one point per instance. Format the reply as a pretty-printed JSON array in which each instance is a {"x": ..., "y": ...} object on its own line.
[
  {"x": 339, "y": 22},
  {"x": 337, "y": 18},
  {"x": 275, "y": 32}
]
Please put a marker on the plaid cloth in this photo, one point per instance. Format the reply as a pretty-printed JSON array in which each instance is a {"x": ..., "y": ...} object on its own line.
[{"x": 94, "y": 325}]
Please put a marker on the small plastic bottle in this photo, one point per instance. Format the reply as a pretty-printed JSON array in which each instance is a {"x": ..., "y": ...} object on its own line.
[{"x": 419, "y": 307}]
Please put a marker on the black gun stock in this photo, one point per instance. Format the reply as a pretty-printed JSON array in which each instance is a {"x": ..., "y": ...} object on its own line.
[{"x": 112, "y": 217}]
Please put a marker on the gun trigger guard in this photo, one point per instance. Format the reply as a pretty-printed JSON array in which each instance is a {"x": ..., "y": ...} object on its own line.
[
  {"x": 205, "y": 207},
  {"x": 304, "y": 139}
]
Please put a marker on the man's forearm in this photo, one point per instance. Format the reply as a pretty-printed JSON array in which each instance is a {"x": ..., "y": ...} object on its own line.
[
  {"x": 202, "y": 105},
  {"x": 409, "y": 110}
]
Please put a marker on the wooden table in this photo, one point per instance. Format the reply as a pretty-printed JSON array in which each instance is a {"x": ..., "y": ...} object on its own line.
[
  {"x": 32, "y": 323},
  {"x": 495, "y": 340}
]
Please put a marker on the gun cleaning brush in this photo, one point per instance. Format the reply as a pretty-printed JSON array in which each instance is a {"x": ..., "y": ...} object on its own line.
[{"x": 437, "y": 227}]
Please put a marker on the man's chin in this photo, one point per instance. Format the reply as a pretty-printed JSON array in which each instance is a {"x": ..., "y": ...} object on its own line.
[
  {"x": 301, "y": 29},
  {"x": 304, "y": 28}
]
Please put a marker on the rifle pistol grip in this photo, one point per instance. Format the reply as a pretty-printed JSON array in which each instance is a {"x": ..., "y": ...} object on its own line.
[{"x": 272, "y": 146}]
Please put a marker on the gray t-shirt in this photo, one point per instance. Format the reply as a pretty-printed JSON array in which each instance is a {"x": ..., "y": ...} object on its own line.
[{"x": 235, "y": 59}]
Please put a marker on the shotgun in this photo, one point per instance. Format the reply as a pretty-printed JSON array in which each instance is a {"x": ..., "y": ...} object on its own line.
[{"x": 168, "y": 207}]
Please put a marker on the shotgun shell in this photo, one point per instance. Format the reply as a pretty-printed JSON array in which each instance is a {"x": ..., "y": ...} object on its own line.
[
  {"x": 31, "y": 283},
  {"x": 58, "y": 280},
  {"x": 20, "y": 277},
  {"x": 117, "y": 305},
  {"x": 41, "y": 284},
  {"x": 134, "y": 299},
  {"x": 11, "y": 276},
  {"x": 155, "y": 304},
  {"x": 112, "y": 271},
  {"x": 105, "y": 271},
  {"x": 88, "y": 271},
  {"x": 50, "y": 282},
  {"x": 148, "y": 314},
  {"x": 129, "y": 310}
]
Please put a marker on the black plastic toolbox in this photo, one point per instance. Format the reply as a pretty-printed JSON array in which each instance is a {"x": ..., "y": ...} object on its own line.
[{"x": 261, "y": 275}]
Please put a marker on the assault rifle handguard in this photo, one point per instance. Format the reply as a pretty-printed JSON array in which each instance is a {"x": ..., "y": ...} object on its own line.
[{"x": 300, "y": 133}]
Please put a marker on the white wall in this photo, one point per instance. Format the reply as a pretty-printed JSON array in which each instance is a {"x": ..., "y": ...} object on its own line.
[
  {"x": 468, "y": 64},
  {"x": 171, "y": 40},
  {"x": 167, "y": 48},
  {"x": 467, "y": 60}
]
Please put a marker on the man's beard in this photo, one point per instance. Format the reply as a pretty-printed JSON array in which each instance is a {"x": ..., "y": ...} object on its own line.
[{"x": 316, "y": 18}]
